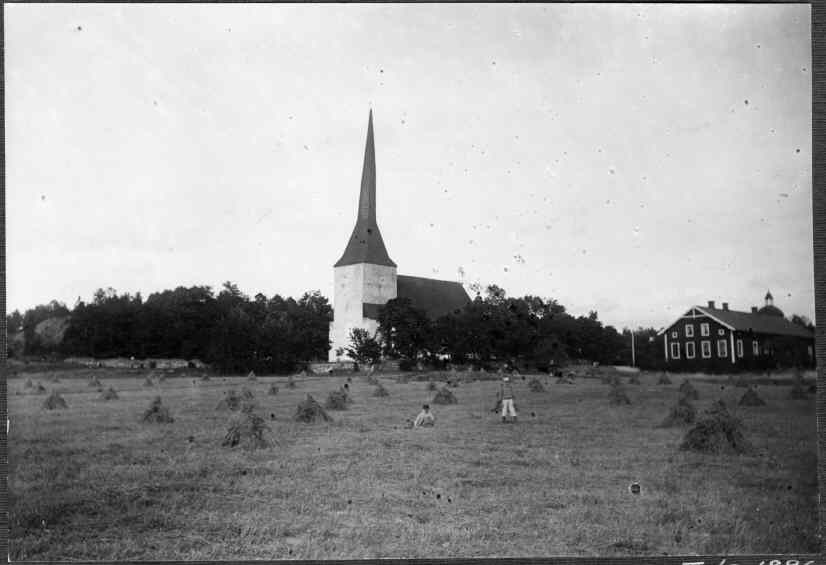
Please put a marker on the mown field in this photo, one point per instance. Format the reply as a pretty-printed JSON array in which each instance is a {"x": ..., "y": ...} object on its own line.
[{"x": 94, "y": 482}]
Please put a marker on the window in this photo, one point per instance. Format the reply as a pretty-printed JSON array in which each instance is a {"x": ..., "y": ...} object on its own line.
[
  {"x": 704, "y": 329},
  {"x": 705, "y": 349},
  {"x": 740, "y": 348},
  {"x": 689, "y": 330},
  {"x": 755, "y": 348},
  {"x": 675, "y": 350},
  {"x": 722, "y": 348},
  {"x": 689, "y": 350},
  {"x": 674, "y": 335},
  {"x": 721, "y": 331}
]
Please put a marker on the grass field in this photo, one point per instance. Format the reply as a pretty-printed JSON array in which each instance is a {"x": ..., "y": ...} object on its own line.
[{"x": 93, "y": 482}]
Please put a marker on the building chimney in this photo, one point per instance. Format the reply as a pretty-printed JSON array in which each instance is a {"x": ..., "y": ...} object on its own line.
[
  {"x": 754, "y": 309},
  {"x": 725, "y": 306},
  {"x": 711, "y": 304}
]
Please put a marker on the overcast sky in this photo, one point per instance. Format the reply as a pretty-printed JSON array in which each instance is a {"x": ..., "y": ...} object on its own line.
[{"x": 633, "y": 160}]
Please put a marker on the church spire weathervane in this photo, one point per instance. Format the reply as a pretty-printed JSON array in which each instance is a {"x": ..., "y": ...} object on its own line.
[{"x": 365, "y": 244}]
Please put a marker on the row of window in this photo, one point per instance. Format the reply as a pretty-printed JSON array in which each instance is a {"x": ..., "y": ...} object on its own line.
[
  {"x": 705, "y": 349},
  {"x": 704, "y": 331}
]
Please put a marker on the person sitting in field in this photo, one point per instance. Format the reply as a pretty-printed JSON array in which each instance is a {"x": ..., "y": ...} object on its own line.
[{"x": 425, "y": 418}]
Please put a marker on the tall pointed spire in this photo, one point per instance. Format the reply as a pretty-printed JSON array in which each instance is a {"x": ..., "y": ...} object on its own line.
[{"x": 366, "y": 244}]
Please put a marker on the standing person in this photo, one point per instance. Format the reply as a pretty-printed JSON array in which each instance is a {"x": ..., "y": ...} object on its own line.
[{"x": 506, "y": 396}]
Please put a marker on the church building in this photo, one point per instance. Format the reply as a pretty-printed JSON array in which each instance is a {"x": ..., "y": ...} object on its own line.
[{"x": 365, "y": 277}]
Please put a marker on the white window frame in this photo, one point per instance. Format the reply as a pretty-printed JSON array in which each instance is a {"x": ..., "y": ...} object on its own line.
[
  {"x": 689, "y": 330},
  {"x": 690, "y": 350},
  {"x": 721, "y": 331},
  {"x": 675, "y": 350},
  {"x": 704, "y": 329},
  {"x": 675, "y": 335},
  {"x": 740, "y": 348},
  {"x": 722, "y": 348},
  {"x": 755, "y": 348},
  {"x": 705, "y": 349}
]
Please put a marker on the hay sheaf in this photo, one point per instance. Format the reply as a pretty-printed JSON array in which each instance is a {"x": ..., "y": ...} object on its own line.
[
  {"x": 664, "y": 380},
  {"x": 611, "y": 379},
  {"x": 54, "y": 402},
  {"x": 157, "y": 413},
  {"x": 617, "y": 396},
  {"x": 28, "y": 384},
  {"x": 232, "y": 400},
  {"x": 634, "y": 380},
  {"x": 445, "y": 396},
  {"x": 682, "y": 413},
  {"x": 380, "y": 391},
  {"x": 291, "y": 382},
  {"x": 95, "y": 382},
  {"x": 565, "y": 380},
  {"x": 273, "y": 390},
  {"x": 751, "y": 398},
  {"x": 535, "y": 385},
  {"x": 372, "y": 380},
  {"x": 246, "y": 430},
  {"x": 687, "y": 390},
  {"x": 40, "y": 389},
  {"x": 109, "y": 394},
  {"x": 148, "y": 382},
  {"x": 309, "y": 411},
  {"x": 337, "y": 400},
  {"x": 431, "y": 386},
  {"x": 718, "y": 431},
  {"x": 204, "y": 377},
  {"x": 798, "y": 392},
  {"x": 251, "y": 376}
]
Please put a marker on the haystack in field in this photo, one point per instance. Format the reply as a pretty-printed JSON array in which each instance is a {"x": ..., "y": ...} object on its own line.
[
  {"x": 611, "y": 379},
  {"x": 231, "y": 401},
  {"x": 687, "y": 389},
  {"x": 750, "y": 398},
  {"x": 372, "y": 380},
  {"x": 380, "y": 391},
  {"x": 290, "y": 382},
  {"x": 148, "y": 382},
  {"x": 716, "y": 432},
  {"x": 246, "y": 394},
  {"x": 681, "y": 413},
  {"x": 337, "y": 400},
  {"x": 40, "y": 389},
  {"x": 798, "y": 392},
  {"x": 310, "y": 411},
  {"x": 617, "y": 396},
  {"x": 28, "y": 384},
  {"x": 535, "y": 385},
  {"x": 246, "y": 429},
  {"x": 109, "y": 394},
  {"x": 444, "y": 396},
  {"x": 634, "y": 380},
  {"x": 663, "y": 380},
  {"x": 251, "y": 376},
  {"x": 565, "y": 380},
  {"x": 162, "y": 377},
  {"x": 54, "y": 379},
  {"x": 157, "y": 413},
  {"x": 431, "y": 385},
  {"x": 273, "y": 390},
  {"x": 54, "y": 402},
  {"x": 204, "y": 377}
]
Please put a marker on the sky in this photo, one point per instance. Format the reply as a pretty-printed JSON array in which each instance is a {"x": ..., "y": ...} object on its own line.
[{"x": 629, "y": 159}]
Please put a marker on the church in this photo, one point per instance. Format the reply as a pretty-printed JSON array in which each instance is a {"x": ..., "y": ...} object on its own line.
[{"x": 365, "y": 277}]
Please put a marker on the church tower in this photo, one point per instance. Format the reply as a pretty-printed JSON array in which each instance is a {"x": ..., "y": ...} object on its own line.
[{"x": 365, "y": 276}]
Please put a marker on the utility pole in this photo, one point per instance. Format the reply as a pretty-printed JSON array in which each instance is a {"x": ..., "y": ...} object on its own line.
[{"x": 633, "y": 356}]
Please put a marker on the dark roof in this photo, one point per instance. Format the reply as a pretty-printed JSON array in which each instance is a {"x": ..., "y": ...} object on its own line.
[
  {"x": 365, "y": 244},
  {"x": 757, "y": 323},
  {"x": 770, "y": 310},
  {"x": 435, "y": 297}
]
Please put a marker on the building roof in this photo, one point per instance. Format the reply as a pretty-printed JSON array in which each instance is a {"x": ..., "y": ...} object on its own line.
[
  {"x": 753, "y": 322},
  {"x": 365, "y": 244},
  {"x": 435, "y": 297}
]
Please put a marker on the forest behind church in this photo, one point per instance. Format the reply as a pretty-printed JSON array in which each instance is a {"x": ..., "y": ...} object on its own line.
[{"x": 235, "y": 332}]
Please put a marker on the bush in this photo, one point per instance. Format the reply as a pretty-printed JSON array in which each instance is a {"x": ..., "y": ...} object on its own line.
[
  {"x": 310, "y": 411},
  {"x": 444, "y": 396},
  {"x": 157, "y": 413},
  {"x": 716, "y": 432}
]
